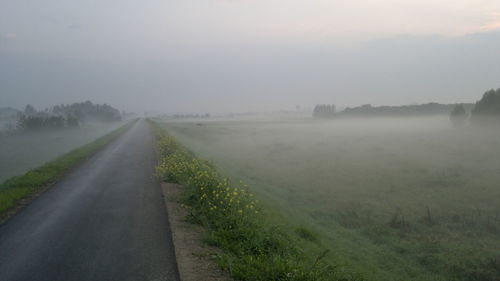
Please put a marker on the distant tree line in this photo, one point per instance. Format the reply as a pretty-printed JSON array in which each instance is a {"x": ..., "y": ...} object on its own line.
[
  {"x": 487, "y": 109},
  {"x": 65, "y": 116},
  {"x": 87, "y": 111},
  {"x": 324, "y": 111},
  {"x": 367, "y": 110},
  {"x": 43, "y": 121},
  {"x": 187, "y": 116},
  {"x": 484, "y": 111},
  {"x": 458, "y": 115},
  {"x": 403, "y": 110}
]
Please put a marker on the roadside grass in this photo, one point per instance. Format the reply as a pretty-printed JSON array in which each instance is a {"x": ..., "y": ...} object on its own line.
[
  {"x": 23, "y": 151},
  {"x": 253, "y": 248},
  {"x": 13, "y": 190}
]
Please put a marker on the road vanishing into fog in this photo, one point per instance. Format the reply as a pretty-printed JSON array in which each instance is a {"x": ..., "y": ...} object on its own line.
[{"x": 105, "y": 220}]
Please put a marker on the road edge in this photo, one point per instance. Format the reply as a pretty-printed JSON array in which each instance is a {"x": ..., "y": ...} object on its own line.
[
  {"x": 22, "y": 203},
  {"x": 194, "y": 261}
]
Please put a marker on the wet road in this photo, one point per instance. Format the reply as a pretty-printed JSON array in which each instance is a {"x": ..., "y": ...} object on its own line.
[{"x": 105, "y": 220}]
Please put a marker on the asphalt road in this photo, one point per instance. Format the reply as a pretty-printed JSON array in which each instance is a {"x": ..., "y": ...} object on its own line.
[{"x": 105, "y": 220}]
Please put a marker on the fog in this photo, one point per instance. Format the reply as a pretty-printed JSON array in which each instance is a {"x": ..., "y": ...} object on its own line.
[
  {"x": 394, "y": 193},
  {"x": 22, "y": 152},
  {"x": 238, "y": 56},
  {"x": 353, "y": 155},
  {"x": 385, "y": 195}
]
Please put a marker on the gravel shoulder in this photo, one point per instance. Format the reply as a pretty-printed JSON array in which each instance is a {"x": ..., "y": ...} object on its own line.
[{"x": 194, "y": 260}]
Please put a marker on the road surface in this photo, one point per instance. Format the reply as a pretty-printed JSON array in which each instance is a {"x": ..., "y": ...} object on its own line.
[{"x": 105, "y": 220}]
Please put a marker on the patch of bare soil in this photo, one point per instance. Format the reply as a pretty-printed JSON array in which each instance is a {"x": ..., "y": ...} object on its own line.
[{"x": 193, "y": 258}]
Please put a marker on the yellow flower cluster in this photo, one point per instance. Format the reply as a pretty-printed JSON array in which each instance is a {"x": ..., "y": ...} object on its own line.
[
  {"x": 215, "y": 197},
  {"x": 229, "y": 200}
]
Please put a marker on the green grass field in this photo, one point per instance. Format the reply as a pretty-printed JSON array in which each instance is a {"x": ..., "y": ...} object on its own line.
[
  {"x": 253, "y": 247},
  {"x": 21, "y": 152},
  {"x": 16, "y": 188},
  {"x": 407, "y": 199}
]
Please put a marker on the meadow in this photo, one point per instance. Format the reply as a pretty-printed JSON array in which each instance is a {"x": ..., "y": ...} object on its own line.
[
  {"x": 21, "y": 152},
  {"x": 252, "y": 247},
  {"x": 391, "y": 199},
  {"x": 17, "y": 188}
]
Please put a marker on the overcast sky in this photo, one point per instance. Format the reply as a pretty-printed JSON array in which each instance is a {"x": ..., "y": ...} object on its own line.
[{"x": 247, "y": 55}]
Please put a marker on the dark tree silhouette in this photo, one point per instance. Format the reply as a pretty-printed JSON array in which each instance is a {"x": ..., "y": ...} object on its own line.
[
  {"x": 458, "y": 115},
  {"x": 87, "y": 111},
  {"x": 324, "y": 111},
  {"x": 66, "y": 116},
  {"x": 29, "y": 110},
  {"x": 427, "y": 109},
  {"x": 72, "y": 121},
  {"x": 487, "y": 109}
]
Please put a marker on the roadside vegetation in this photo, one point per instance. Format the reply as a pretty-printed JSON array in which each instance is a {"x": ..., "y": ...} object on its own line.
[
  {"x": 13, "y": 190},
  {"x": 253, "y": 248},
  {"x": 23, "y": 151}
]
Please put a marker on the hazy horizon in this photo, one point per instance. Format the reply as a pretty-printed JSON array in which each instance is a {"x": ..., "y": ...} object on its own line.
[
  {"x": 235, "y": 56},
  {"x": 283, "y": 184}
]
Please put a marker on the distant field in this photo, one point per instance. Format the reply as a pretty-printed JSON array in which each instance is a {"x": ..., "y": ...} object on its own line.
[
  {"x": 22, "y": 152},
  {"x": 406, "y": 199},
  {"x": 4, "y": 124}
]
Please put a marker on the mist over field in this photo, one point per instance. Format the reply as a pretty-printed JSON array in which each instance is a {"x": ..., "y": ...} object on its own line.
[
  {"x": 22, "y": 152},
  {"x": 395, "y": 198},
  {"x": 368, "y": 130}
]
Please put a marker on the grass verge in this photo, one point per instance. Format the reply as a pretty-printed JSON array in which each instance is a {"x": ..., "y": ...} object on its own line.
[
  {"x": 253, "y": 248},
  {"x": 15, "y": 189}
]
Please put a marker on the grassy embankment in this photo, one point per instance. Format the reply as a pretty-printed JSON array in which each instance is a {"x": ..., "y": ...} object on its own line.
[
  {"x": 252, "y": 247},
  {"x": 398, "y": 199},
  {"x": 23, "y": 151},
  {"x": 17, "y": 188}
]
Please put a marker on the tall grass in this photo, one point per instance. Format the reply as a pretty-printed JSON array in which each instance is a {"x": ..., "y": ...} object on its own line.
[
  {"x": 253, "y": 249},
  {"x": 13, "y": 190}
]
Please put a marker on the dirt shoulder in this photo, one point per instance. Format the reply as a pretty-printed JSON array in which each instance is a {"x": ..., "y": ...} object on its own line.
[{"x": 193, "y": 259}]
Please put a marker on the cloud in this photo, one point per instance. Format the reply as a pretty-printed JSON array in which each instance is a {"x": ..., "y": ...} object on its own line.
[
  {"x": 74, "y": 26},
  {"x": 491, "y": 26},
  {"x": 8, "y": 36}
]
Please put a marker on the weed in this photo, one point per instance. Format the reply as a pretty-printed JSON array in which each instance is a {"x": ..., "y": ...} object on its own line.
[{"x": 306, "y": 234}]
